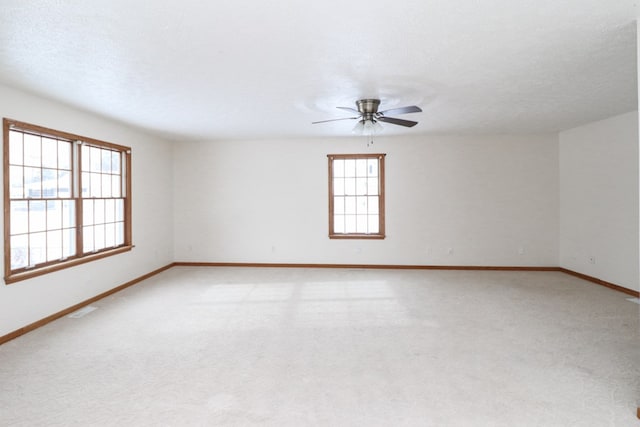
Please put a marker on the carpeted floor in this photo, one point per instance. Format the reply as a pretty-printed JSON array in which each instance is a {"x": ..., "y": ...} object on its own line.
[{"x": 321, "y": 347}]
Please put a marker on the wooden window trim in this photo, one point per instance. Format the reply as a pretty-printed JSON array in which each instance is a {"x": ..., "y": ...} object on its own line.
[
  {"x": 381, "y": 197},
  {"x": 12, "y": 276}
]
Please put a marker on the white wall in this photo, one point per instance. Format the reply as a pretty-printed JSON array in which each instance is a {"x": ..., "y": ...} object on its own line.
[
  {"x": 27, "y": 301},
  {"x": 486, "y": 198},
  {"x": 492, "y": 200},
  {"x": 599, "y": 200}
]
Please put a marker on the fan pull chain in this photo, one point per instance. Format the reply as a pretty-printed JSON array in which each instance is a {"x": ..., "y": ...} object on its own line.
[{"x": 369, "y": 139}]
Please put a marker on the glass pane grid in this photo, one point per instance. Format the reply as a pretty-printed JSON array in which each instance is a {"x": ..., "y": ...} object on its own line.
[
  {"x": 101, "y": 172},
  {"x": 103, "y": 224},
  {"x": 39, "y": 167},
  {"x": 355, "y": 192},
  {"x": 41, "y": 231},
  {"x": 42, "y": 220}
]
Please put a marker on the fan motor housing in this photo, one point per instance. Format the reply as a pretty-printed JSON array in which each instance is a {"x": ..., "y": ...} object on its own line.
[{"x": 368, "y": 106}]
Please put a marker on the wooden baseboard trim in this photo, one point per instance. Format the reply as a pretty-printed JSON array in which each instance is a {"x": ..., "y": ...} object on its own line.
[
  {"x": 42, "y": 322},
  {"x": 601, "y": 282},
  {"x": 412, "y": 267},
  {"x": 364, "y": 266},
  {"x": 51, "y": 318}
]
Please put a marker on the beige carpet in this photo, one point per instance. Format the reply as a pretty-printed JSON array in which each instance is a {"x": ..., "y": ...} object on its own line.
[{"x": 315, "y": 347}]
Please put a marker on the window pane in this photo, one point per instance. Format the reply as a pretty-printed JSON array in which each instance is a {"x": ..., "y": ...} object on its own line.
[
  {"x": 37, "y": 248},
  {"x": 338, "y": 186},
  {"x": 68, "y": 242},
  {"x": 49, "y": 183},
  {"x": 109, "y": 235},
  {"x": 54, "y": 214},
  {"x": 15, "y": 147},
  {"x": 64, "y": 184},
  {"x": 119, "y": 233},
  {"x": 350, "y": 186},
  {"x": 372, "y": 205},
  {"x": 106, "y": 185},
  {"x": 350, "y": 224},
  {"x": 95, "y": 157},
  {"x": 109, "y": 210},
  {"x": 349, "y": 168},
  {"x": 16, "y": 182},
  {"x": 374, "y": 226},
  {"x": 338, "y": 205},
  {"x": 64, "y": 155},
  {"x": 86, "y": 184},
  {"x": 361, "y": 224},
  {"x": 115, "y": 162},
  {"x": 372, "y": 167},
  {"x": 361, "y": 186},
  {"x": 86, "y": 164},
  {"x": 33, "y": 183},
  {"x": 115, "y": 186},
  {"x": 96, "y": 182},
  {"x": 119, "y": 209},
  {"x": 361, "y": 205},
  {"x": 372, "y": 186},
  {"x": 350, "y": 205},
  {"x": 37, "y": 216},
  {"x": 87, "y": 239},
  {"x": 49, "y": 153},
  {"x": 361, "y": 167},
  {"x": 338, "y": 223},
  {"x": 31, "y": 150},
  {"x": 106, "y": 161},
  {"x": 68, "y": 213},
  {"x": 99, "y": 237},
  {"x": 338, "y": 168},
  {"x": 98, "y": 211},
  {"x": 19, "y": 217},
  {"x": 54, "y": 245},
  {"x": 19, "y": 251},
  {"x": 87, "y": 212}
]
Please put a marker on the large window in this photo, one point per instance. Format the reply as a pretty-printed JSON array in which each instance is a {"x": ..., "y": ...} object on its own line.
[
  {"x": 66, "y": 197},
  {"x": 356, "y": 196}
]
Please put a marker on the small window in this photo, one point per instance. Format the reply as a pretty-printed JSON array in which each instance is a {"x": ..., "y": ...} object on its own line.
[
  {"x": 356, "y": 196},
  {"x": 66, "y": 198}
]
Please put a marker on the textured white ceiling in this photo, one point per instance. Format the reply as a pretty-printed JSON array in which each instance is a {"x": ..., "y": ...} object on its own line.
[{"x": 202, "y": 69}]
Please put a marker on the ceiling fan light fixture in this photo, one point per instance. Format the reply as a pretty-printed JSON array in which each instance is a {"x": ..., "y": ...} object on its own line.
[
  {"x": 368, "y": 127},
  {"x": 358, "y": 129}
]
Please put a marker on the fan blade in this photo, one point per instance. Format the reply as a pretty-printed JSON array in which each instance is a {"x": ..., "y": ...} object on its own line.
[
  {"x": 406, "y": 123},
  {"x": 334, "y": 120},
  {"x": 353, "y": 110},
  {"x": 403, "y": 110}
]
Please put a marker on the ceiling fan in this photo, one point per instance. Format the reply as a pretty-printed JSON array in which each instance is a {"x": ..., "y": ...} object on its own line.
[{"x": 369, "y": 116}]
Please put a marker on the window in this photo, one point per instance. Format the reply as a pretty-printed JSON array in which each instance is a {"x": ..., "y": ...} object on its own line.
[
  {"x": 66, "y": 197},
  {"x": 356, "y": 196}
]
